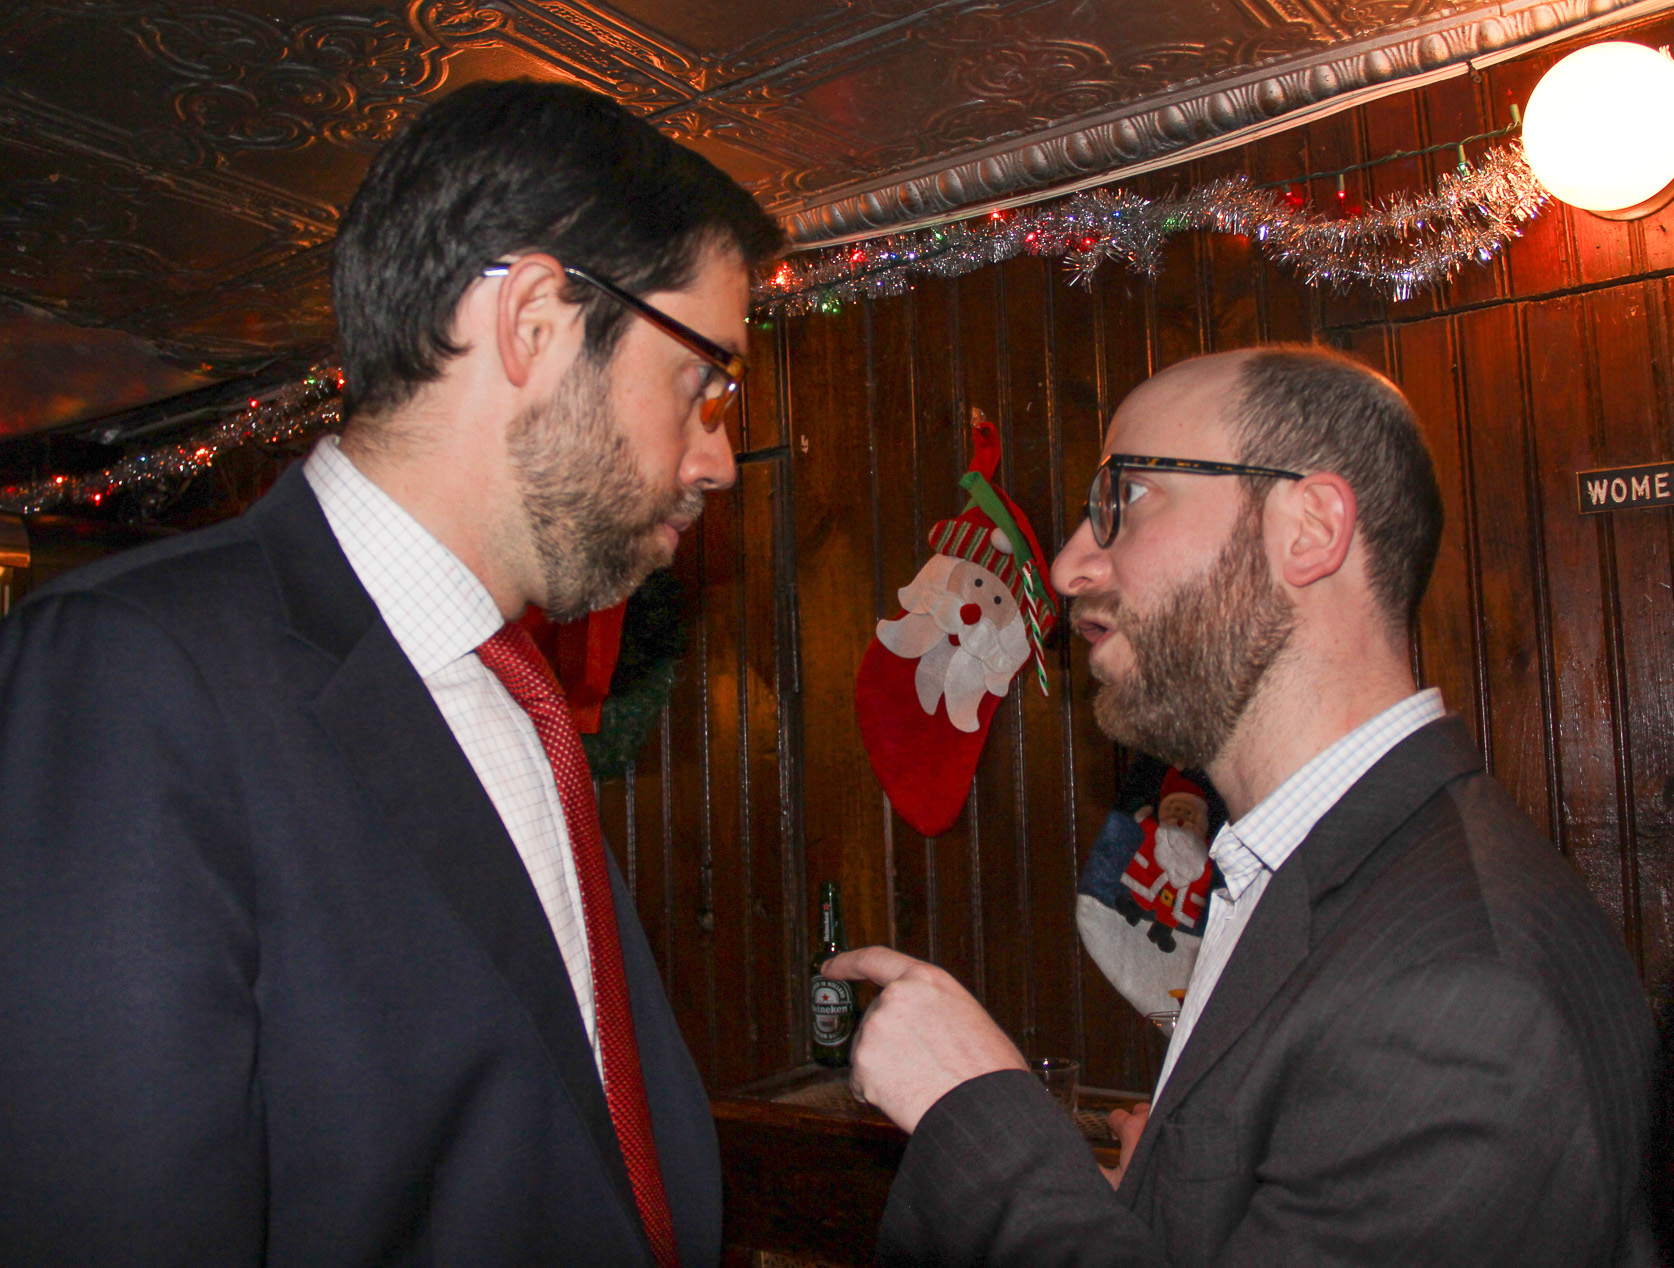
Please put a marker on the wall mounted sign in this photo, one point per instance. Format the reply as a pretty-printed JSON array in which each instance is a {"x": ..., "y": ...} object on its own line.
[{"x": 1625, "y": 488}]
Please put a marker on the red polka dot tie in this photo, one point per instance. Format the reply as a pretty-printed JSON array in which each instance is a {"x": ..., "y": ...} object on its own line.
[{"x": 517, "y": 663}]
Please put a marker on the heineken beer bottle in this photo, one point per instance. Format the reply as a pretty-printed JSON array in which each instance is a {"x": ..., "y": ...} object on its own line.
[{"x": 833, "y": 1001}]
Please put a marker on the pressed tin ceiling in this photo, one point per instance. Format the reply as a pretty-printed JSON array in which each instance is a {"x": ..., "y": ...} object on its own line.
[{"x": 175, "y": 170}]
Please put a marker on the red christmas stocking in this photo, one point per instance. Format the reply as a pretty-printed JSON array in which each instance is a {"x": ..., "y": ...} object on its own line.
[{"x": 935, "y": 672}]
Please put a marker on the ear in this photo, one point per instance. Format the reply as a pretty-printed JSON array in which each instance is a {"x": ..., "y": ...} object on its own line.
[
  {"x": 1319, "y": 528},
  {"x": 532, "y": 317}
]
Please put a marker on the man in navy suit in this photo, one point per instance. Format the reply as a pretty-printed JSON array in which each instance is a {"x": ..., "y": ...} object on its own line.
[
  {"x": 300, "y": 958},
  {"x": 1410, "y": 1037}
]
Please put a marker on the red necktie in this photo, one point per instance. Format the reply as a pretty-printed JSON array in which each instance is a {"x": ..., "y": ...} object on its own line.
[{"x": 517, "y": 663}]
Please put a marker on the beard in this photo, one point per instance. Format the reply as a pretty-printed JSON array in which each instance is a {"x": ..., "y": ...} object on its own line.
[
  {"x": 593, "y": 516},
  {"x": 1199, "y": 659}
]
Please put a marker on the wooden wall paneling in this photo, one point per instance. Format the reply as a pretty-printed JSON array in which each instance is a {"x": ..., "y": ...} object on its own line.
[
  {"x": 1371, "y": 344},
  {"x": 899, "y": 555},
  {"x": 724, "y": 908},
  {"x": 1546, "y": 631},
  {"x": 1126, "y": 312},
  {"x": 618, "y": 821},
  {"x": 1227, "y": 272},
  {"x": 1449, "y": 635},
  {"x": 1047, "y": 831},
  {"x": 1543, "y": 258},
  {"x": 979, "y": 301},
  {"x": 1077, "y": 407},
  {"x": 1392, "y": 125},
  {"x": 686, "y": 779},
  {"x": 1095, "y": 365},
  {"x": 1336, "y": 142},
  {"x": 1177, "y": 319},
  {"x": 1509, "y": 582},
  {"x": 941, "y": 866},
  {"x": 952, "y": 936},
  {"x": 637, "y": 803},
  {"x": 1630, "y": 329},
  {"x": 1655, "y": 234},
  {"x": 843, "y": 816},
  {"x": 1002, "y": 370},
  {"x": 793, "y": 881},
  {"x": 1653, "y": 788},
  {"x": 1566, "y": 426},
  {"x": 1452, "y": 112},
  {"x": 1564, "y": 421},
  {"x": 1602, "y": 249},
  {"x": 773, "y": 975},
  {"x": 1284, "y": 309}
]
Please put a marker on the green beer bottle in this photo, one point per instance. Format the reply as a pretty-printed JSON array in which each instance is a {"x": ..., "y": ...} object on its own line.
[{"x": 833, "y": 1001}]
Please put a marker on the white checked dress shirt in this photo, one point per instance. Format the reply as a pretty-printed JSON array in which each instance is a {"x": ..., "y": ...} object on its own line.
[
  {"x": 440, "y": 614},
  {"x": 1250, "y": 851}
]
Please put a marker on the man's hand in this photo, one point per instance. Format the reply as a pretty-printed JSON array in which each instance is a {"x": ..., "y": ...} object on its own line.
[
  {"x": 1127, "y": 1126},
  {"x": 922, "y": 1037}
]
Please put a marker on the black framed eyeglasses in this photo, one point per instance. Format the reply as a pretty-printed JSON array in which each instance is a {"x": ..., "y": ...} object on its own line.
[
  {"x": 1104, "y": 498},
  {"x": 719, "y": 391}
]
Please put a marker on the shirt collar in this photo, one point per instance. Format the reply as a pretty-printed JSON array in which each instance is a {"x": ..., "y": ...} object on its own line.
[
  {"x": 432, "y": 603},
  {"x": 1265, "y": 837}
]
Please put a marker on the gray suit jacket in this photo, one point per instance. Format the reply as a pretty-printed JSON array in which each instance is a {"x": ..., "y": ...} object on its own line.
[{"x": 1428, "y": 1048}]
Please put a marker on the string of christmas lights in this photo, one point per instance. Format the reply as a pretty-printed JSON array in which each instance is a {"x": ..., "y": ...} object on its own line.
[
  {"x": 297, "y": 410},
  {"x": 1398, "y": 245}
]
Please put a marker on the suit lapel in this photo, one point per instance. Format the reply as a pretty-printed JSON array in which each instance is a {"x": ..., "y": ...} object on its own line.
[
  {"x": 1282, "y": 931},
  {"x": 380, "y": 714},
  {"x": 1270, "y": 949}
]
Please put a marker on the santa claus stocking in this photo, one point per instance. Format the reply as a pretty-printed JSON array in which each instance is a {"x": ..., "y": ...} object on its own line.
[
  {"x": 1143, "y": 898},
  {"x": 932, "y": 677}
]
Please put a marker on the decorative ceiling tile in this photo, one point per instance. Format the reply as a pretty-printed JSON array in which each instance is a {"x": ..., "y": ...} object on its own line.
[{"x": 177, "y": 168}]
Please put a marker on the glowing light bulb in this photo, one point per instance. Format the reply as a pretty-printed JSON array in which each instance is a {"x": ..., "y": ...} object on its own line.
[{"x": 1596, "y": 130}]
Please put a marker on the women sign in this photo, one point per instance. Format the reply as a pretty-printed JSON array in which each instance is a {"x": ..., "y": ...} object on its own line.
[{"x": 1623, "y": 488}]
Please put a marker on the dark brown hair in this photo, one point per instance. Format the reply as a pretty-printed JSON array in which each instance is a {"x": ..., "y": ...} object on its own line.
[{"x": 501, "y": 168}]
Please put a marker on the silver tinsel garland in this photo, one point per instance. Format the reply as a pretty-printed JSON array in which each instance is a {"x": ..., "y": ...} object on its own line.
[
  {"x": 296, "y": 410},
  {"x": 1398, "y": 245}
]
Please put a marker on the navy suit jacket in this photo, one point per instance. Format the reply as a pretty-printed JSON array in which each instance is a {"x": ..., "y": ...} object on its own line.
[
  {"x": 1428, "y": 1047},
  {"x": 275, "y": 987}
]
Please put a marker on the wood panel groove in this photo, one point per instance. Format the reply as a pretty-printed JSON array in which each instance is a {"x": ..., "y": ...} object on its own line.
[
  {"x": 1502, "y": 301},
  {"x": 1555, "y": 828},
  {"x": 1479, "y": 640}
]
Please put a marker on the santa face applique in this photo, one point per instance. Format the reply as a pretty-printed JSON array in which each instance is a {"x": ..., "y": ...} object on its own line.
[
  {"x": 964, "y": 628},
  {"x": 932, "y": 675}
]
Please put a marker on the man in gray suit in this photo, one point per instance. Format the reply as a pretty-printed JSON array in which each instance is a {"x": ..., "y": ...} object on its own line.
[{"x": 1410, "y": 1036}]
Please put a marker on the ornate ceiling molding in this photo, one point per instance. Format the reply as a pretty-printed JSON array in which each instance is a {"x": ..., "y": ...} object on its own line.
[
  {"x": 177, "y": 168},
  {"x": 1167, "y": 127}
]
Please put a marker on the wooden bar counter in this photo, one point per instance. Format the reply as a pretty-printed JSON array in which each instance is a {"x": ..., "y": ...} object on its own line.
[{"x": 807, "y": 1168}]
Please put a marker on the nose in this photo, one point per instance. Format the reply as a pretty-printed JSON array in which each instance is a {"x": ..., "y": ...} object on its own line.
[
  {"x": 1082, "y": 564},
  {"x": 970, "y": 614},
  {"x": 708, "y": 464}
]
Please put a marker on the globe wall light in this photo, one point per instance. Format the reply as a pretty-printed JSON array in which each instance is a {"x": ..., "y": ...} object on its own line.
[{"x": 1599, "y": 130}]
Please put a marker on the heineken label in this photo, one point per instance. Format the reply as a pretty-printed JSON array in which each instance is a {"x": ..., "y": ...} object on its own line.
[{"x": 833, "y": 1011}]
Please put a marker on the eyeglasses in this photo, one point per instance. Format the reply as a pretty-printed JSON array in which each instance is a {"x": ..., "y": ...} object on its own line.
[
  {"x": 720, "y": 390},
  {"x": 1104, "y": 498}
]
